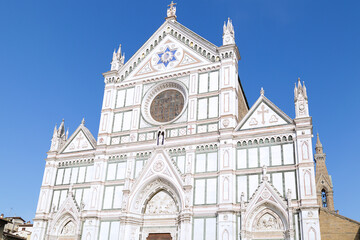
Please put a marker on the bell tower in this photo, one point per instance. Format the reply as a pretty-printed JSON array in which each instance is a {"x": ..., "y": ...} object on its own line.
[{"x": 324, "y": 186}]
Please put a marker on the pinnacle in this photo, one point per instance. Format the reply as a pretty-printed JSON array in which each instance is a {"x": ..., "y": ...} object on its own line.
[{"x": 262, "y": 92}]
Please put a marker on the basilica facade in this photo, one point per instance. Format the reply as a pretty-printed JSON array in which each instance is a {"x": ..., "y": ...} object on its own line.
[{"x": 180, "y": 154}]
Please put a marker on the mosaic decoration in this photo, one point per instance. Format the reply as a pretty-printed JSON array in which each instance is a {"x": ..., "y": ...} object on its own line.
[
  {"x": 167, "y": 105},
  {"x": 167, "y": 56}
]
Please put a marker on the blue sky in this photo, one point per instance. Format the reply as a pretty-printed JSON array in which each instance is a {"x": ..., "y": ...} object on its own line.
[{"x": 52, "y": 54}]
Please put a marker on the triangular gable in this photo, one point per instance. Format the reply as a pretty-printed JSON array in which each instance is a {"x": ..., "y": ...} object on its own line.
[
  {"x": 68, "y": 211},
  {"x": 159, "y": 164},
  {"x": 168, "y": 29},
  {"x": 326, "y": 180},
  {"x": 170, "y": 54},
  {"x": 80, "y": 140},
  {"x": 265, "y": 195},
  {"x": 158, "y": 172},
  {"x": 263, "y": 114}
]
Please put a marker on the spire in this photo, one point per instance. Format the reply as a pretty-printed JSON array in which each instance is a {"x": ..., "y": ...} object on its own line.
[
  {"x": 228, "y": 33},
  {"x": 67, "y": 133},
  {"x": 324, "y": 186},
  {"x": 301, "y": 100},
  {"x": 171, "y": 12},
  {"x": 318, "y": 146},
  {"x": 83, "y": 121},
  {"x": 61, "y": 130},
  {"x": 118, "y": 59},
  {"x": 118, "y": 55},
  {"x": 59, "y": 137},
  {"x": 55, "y": 131}
]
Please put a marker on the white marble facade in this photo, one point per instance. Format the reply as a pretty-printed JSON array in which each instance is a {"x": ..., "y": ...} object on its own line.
[{"x": 209, "y": 168}]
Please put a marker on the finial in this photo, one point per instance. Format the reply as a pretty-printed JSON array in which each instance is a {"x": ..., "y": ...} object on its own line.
[
  {"x": 264, "y": 170},
  {"x": 83, "y": 121},
  {"x": 288, "y": 195},
  {"x": 262, "y": 92},
  {"x": 171, "y": 11},
  {"x": 70, "y": 192}
]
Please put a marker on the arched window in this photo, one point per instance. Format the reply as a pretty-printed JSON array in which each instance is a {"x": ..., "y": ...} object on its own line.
[{"x": 323, "y": 198}]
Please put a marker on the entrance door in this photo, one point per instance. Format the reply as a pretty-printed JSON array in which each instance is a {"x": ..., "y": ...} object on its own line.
[{"x": 159, "y": 236}]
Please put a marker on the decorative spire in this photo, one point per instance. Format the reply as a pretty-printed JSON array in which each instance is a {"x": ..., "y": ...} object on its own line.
[
  {"x": 83, "y": 121},
  {"x": 318, "y": 146},
  {"x": 67, "y": 133},
  {"x": 117, "y": 60},
  {"x": 301, "y": 100},
  {"x": 55, "y": 131},
  {"x": 262, "y": 92},
  {"x": 171, "y": 12},
  {"x": 228, "y": 33},
  {"x": 61, "y": 130},
  {"x": 59, "y": 137}
]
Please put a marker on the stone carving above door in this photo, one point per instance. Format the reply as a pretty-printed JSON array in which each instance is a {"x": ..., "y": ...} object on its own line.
[
  {"x": 161, "y": 203},
  {"x": 267, "y": 222}
]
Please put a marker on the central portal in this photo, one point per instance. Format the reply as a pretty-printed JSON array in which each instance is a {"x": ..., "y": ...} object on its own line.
[{"x": 159, "y": 236}]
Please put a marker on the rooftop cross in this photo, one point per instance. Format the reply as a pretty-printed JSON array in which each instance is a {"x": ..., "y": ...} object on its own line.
[
  {"x": 171, "y": 11},
  {"x": 171, "y": 5}
]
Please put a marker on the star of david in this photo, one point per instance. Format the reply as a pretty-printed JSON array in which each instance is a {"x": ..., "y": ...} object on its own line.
[{"x": 167, "y": 56}]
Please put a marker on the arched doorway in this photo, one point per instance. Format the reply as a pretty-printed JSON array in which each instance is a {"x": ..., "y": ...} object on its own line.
[
  {"x": 160, "y": 216},
  {"x": 268, "y": 225}
]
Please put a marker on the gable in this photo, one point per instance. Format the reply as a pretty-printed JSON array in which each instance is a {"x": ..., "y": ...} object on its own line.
[
  {"x": 263, "y": 114},
  {"x": 170, "y": 54},
  {"x": 78, "y": 143},
  {"x": 195, "y": 46}
]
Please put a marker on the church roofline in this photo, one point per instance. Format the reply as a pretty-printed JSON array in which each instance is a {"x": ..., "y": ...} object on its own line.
[{"x": 194, "y": 37}]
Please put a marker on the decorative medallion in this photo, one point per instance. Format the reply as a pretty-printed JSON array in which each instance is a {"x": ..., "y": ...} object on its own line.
[
  {"x": 158, "y": 165},
  {"x": 167, "y": 105},
  {"x": 164, "y": 103},
  {"x": 265, "y": 194},
  {"x": 167, "y": 56}
]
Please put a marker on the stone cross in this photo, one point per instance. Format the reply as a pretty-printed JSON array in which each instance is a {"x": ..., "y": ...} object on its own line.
[
  {"x": 79, "y": 138},
  {"x": 262, "y": 112},
  {"x": 171, "y": 5},
  {"x": 190, "y": 128}
]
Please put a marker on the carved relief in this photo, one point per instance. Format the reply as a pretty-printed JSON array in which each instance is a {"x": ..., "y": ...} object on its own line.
[
  {"x": 253, "y": 122},
  {"x": 267, "y": 222},
  {"x": 158, "y": 165},
  {"x": 69, "y": 229},
  {"x": 161, "y": 203}
]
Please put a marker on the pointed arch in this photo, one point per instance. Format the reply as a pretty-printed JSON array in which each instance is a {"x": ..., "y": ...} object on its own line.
[
  {"x": 226, "y": 159},
  {"x": 307, "y": 183},
  {"x": 161, "y": 202},
  {"x": 153, "y": 185},
  {"x": 225, "y": 235},
  {"x": 88, "y": 236},
  {"x": 268, "y": 220},
  {"x": 305, "y": 150},
  {"x": 312, "y": 234}
]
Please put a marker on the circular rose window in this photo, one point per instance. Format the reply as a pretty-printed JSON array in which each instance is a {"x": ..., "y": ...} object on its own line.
[
  {"x": 167, "y": 105},
  {"x": 164, "y": 103}
]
